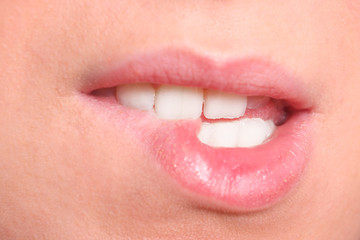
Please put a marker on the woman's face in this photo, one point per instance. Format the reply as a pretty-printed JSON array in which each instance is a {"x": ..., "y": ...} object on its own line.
[{"x": 76, "y": 164}]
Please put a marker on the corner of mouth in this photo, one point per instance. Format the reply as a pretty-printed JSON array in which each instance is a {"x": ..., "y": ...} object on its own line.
[{"x": 271, "y": 169}]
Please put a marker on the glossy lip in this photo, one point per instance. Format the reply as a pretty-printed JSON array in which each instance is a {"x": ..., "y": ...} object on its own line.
[{"x": 239, "y": 179}]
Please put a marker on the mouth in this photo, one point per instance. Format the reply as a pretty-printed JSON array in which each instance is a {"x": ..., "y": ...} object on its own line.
[{"x": 232, "y": 134}]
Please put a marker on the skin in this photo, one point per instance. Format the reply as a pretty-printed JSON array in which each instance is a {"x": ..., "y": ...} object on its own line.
[{"x": 62, "y": 176}]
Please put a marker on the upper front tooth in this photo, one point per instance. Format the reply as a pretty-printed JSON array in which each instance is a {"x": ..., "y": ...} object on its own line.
[
  {"x": 139, "y": 96},
  {"x": 176, "y": 102},
  {"x": 224, "y": 105},
  {"x": 254, "y": 131}
]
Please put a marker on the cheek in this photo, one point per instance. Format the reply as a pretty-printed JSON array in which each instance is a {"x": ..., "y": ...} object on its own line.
[{"x": 354, "y": 7}]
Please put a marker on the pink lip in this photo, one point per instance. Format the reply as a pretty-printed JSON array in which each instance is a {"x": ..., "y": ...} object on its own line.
[{"x": 244, "y": 179}]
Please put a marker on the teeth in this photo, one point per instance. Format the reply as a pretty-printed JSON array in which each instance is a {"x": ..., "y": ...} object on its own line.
[
  {"x": 138, "y": 96},
  {"x": 220, "y": 105},
  {"x": 247, "y": 132},
  {"x": 220, "y": 134},
  {"x": 254, "y": 131},
  {"x": 175, "y": 102}
]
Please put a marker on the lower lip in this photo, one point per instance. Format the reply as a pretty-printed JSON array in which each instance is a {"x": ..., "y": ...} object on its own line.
[
  {"x": 232, "y": 179},
  {"x": 241, "y": 179},
  {"x": 235, "y": 179}
]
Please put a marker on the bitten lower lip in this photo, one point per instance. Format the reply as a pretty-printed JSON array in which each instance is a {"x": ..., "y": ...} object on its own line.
[{"x": 241, "y": 179}]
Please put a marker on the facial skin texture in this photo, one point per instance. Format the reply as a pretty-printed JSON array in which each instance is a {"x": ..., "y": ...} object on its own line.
[{"x": 62, "y": 176}]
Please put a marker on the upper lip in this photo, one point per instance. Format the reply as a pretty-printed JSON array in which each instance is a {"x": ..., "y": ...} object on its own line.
[
  {"x": 272, "y": 168},
  {"x": 250, "y": 76}
]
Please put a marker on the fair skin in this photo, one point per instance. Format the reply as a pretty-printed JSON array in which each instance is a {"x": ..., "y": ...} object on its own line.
[{"x": 62, "y": 178}]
